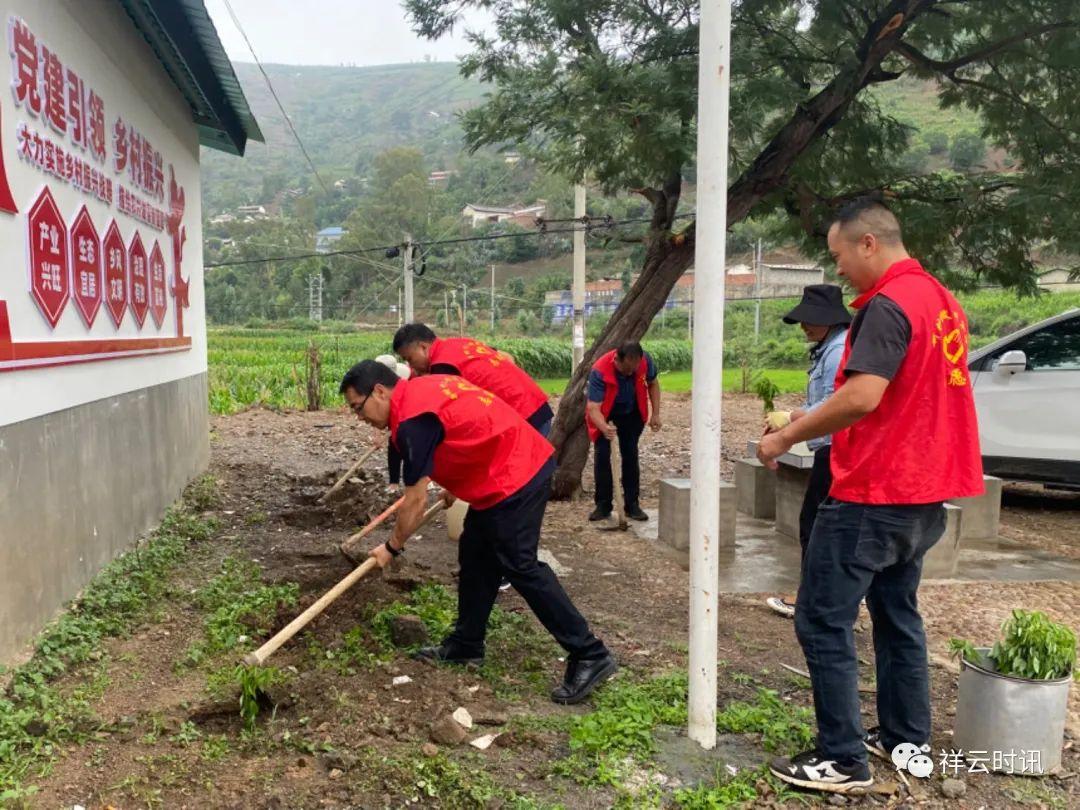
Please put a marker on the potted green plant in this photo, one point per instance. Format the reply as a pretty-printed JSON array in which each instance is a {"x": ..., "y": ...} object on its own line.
[{"x": 1013, "y": 697}]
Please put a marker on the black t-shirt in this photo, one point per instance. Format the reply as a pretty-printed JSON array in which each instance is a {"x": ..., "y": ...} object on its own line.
[
  {"x": 880, "y": 336},
  {"x": 417, "y": 439}
]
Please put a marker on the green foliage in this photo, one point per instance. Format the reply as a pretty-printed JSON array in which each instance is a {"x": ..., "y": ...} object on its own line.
[
  {"x": 967, "y": 150},
  {"x": 554, "y": 65},
  {"x": 253, "y": 682},
  {"x": 1031, "y": 646},
  {"x": 35, "y": 716},
  {"x": 625, "y": 716},
  {"x": 435, "y": 606},
  {"x": 726, "y": 793},
  {"x": 767, "y": 391},
  {"x": 236, "y": 603},
  {"x": 784, "y": 729}
]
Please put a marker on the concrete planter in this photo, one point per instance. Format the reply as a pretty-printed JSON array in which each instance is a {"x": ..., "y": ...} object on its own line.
[{"x": 1001, "y": 713}]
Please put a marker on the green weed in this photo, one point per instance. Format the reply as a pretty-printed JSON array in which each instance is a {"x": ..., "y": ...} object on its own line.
[
  {"x": 436, "y": 607},
  {"x": 215, "y": 748},
  {"x": 35, "y": 716},
  {"x": 784, "y": 728},
  {"x": 237, "y": 603},
  {"x": 253, "y": 683}
]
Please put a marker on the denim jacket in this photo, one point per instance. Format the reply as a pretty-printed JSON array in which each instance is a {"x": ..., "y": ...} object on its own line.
[{"x": 824, "y": 362}]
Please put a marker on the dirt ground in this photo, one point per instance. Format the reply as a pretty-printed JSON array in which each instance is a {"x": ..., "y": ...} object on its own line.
[{"x": 342, "y": 737}]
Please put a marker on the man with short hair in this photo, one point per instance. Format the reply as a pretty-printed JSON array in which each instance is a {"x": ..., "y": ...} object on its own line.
[
  {"x": 622, "y": 387},
  {"x": 479, "y": 449},
  {"x": 478, "y": 363},
  {"x": 904, "y": 440}
]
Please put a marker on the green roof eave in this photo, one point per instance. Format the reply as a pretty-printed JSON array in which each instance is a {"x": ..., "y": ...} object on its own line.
[{"x": 183, "y": 37}]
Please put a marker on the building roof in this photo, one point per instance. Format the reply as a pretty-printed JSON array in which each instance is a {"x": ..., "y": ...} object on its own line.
[
  {"x": 331, "y": 231},
  {"x": 186, "y": 43}
]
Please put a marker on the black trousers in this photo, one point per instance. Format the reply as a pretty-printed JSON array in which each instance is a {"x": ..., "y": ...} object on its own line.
[
  {"x": 816, "y": 493},
  {"x": 628, "y": 429},
  {"x": 502, "y": 541}
]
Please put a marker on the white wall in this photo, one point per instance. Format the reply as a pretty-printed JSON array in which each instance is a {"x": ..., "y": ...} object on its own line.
[{"x": 99, "y": 41}]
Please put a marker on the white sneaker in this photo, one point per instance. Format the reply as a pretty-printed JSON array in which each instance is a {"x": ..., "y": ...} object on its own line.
[{"x": 781, "y": 606}]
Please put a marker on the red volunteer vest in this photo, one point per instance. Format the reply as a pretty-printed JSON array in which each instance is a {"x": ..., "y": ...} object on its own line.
[
  {"x": 921, "y": 444},
  {"x": 606, "y": 366},
  {"x": 488, "y": 452},
  {"x": 492, "y": 370}
]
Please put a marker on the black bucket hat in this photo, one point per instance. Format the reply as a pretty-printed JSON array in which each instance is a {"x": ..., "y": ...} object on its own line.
[{"x": 821, "y": 305}]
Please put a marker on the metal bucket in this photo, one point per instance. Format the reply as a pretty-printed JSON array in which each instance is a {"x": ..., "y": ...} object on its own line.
[
  {"x": 455, "y": 519},
  {"x": 1011, "y": 725}
]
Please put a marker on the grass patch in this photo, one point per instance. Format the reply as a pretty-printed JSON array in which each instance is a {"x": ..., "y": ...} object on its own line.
[
  {"x": 788, "y": 380},
  {"x": 35, "y": 716},
  {"x": 607, "y": 742},
  {"x": 237, "y": 603},
  {"x": 519, "y": 653}
]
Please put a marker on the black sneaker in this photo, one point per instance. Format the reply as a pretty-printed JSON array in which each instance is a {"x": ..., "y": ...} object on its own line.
[
  {"x": 808, "y": 770},
  {"x": 599, "y": 514},
  {"x": 872, "y": 741},
  {"x": 504, "y": 585},
  {"x": 636, "y": 513},
  {"x": 448, "y": 653},
  {"x": 582, "y": 678}
]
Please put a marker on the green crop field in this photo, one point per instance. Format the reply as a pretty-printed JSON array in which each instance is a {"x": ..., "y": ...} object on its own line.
[{"x": 267, "y": 367}]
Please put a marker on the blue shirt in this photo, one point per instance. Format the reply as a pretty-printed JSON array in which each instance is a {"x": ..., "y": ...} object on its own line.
[
  {"x": 625, "y": 398},
  {"x": 824, "y": 363}
]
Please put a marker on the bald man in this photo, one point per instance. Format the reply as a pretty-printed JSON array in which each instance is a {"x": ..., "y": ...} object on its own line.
[{"x": 904, "y": 440}]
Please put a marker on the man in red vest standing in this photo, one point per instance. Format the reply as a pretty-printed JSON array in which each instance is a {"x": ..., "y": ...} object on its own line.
[
  {"x": 904, "y": 440},
  {"x": 478, "y": 363},
  {"x": 622, "y": 387},
  {"x": 478, "y": 449}
]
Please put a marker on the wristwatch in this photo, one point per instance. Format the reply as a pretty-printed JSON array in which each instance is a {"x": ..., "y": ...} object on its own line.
[{"x": 394, "y": 552}]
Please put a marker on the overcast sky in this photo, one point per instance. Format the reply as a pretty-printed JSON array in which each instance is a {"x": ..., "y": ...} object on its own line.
[{"x": 328, "y": 32}]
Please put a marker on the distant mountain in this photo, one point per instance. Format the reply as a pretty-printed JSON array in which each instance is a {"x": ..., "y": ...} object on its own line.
[{"x": 344, "y": 116}]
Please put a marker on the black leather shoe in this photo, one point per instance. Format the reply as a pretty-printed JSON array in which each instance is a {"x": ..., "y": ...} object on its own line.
[
  {"x": 448, "y": 653},
  {"x": 582, "y": 678},
  {"x": 636, "y": 513},
  {"x": 599, "y": 514}
]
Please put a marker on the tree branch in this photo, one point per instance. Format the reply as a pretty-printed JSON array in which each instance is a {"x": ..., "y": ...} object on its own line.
[{"x": 949, "y": 69}]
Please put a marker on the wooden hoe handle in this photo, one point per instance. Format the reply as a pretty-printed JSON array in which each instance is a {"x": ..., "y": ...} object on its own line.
[{"x": 272, "y": 645}]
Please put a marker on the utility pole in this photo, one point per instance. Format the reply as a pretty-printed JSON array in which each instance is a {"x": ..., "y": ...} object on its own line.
[
  {"x": 464, "y": 308},
  {"x": 579, "y": 274},
  {"x": 399, "y": 320},
  {"x": 758, "y": 268},
  {"x": 493, "y": 299},
  {"x": 446, "y": 307},
  {"x": 315, "y": 290},
  {"x": 409, "y": 317},
  {"x": 714, "y": 76}
]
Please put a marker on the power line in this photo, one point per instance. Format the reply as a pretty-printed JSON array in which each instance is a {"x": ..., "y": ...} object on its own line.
[
  {"x": 592, "y": 225},
  {"x": 270, "y": 86}
]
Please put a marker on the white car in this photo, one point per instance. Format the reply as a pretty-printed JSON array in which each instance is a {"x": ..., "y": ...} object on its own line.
[{"x": 1027, "y": 395}]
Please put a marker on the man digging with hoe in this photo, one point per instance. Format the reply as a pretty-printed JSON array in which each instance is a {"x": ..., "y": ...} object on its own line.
[{"x": 478, "y": 448}]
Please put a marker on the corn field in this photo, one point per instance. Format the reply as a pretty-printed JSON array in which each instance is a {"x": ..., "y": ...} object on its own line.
[{"x": 270, "y": 368}]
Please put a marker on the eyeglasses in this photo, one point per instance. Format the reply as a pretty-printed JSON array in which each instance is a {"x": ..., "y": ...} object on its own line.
[{"x": 358, "y": 408}]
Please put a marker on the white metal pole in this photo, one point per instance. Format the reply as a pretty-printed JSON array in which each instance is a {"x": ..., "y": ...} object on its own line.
[
  {"x": 409, "y": 317},
  {"x": 493, "y": 299},
  {"x": 579, "y": 274},
  {"x": 757, "y": 290},
  {"x": 711, "y": 235}
]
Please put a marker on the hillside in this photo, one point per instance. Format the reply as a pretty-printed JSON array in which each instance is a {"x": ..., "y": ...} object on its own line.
[{"x": 345, "y": 116}]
